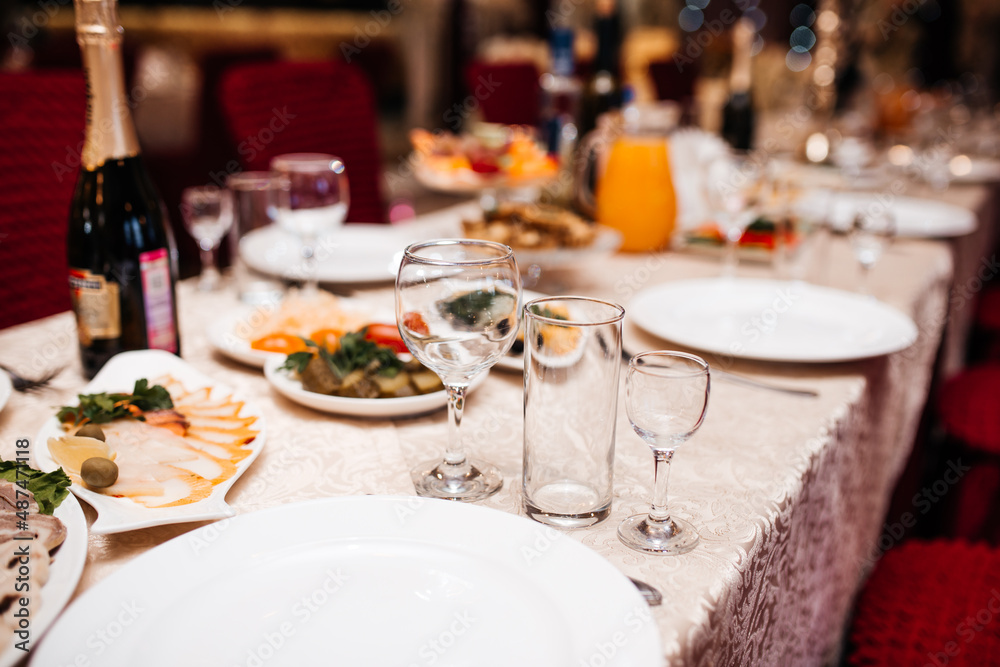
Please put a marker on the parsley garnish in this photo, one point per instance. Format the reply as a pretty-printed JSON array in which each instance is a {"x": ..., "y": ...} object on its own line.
[{"x": 103, "y": 408}]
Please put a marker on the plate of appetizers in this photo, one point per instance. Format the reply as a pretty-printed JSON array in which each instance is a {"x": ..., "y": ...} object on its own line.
[
  {"x": 152, "y": 441},
  {"x": 53, "y": 551},
  {"x": 450, "y": 582}
]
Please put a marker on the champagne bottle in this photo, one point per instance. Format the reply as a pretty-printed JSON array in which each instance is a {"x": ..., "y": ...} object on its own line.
[
  {"x": 604, "y": 89},
  {"x": 737, "y": 115},
  {"x": 122, "y": 257}
]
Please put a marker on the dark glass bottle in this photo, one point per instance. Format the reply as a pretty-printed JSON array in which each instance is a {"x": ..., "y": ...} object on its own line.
[
  {"x": 122, "y": 258},
  {"x": 738, "y": 115},
  {"x": 603, "y": 91}
]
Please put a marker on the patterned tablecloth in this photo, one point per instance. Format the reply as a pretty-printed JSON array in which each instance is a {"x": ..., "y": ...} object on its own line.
[{"x": 789, "y": 494}]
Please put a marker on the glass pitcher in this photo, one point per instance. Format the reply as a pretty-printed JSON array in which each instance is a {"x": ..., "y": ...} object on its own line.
[{"x": 634, "y": 190}]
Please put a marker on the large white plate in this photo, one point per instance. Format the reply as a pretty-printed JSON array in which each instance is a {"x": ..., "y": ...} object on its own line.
[
  {"x": 6, "y": 388},
  {"x": 64, "y": 574},
  {"x": 355, "y": 407},
  {"x": 116, "y": 515},
  {"x": 223, "y": 331},
  {"x": 915, "y": 218},
  {"x": 352, "y": 254},
  {"x": 364, "y": 581},
  {"x": 771, "y": 320}
]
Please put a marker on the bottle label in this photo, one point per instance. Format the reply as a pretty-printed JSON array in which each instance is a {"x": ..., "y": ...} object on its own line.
[
  {"x": 160, "y": 331},
  {"x": 96, "y": 304}
]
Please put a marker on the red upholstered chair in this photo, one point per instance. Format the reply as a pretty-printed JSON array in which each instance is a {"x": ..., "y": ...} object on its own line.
[
  {"x": 968, "y": 406},
  {"x": 291, "y": 107},
  {"x": 505, "y": 92},
  {"x": 930, "y": 603},
  {"x": 41, "y": 133}
]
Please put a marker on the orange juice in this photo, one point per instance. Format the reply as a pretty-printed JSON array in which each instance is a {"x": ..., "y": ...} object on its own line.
[{"x": 635, "y": 194}]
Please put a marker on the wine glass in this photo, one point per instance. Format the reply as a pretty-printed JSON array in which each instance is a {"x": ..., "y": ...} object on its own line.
[
  {"x": 312, "y": 199},
  {"x": 871, "y": 232},
  {"x": 458, "y": 304},
  {"x": 208, "y": 214},
  {"x": 666, "y": 396},
  {"x": 732, "y": 183}
]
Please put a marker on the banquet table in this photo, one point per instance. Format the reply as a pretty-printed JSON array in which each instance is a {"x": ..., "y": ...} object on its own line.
[{"x": 789, "y": 493}]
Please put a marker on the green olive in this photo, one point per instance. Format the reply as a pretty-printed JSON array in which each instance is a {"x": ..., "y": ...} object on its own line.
[
  {"x": 98, "y": 472},
  {"x": 91, "y": 431}
]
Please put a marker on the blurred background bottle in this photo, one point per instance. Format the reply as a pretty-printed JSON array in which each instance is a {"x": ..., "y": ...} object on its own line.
[
  {"x": 560, "y": 109},
  {"x": 738, "y": 114},
  {"x": 122, "y": 257},
  {"x": 603, "y": 91}
]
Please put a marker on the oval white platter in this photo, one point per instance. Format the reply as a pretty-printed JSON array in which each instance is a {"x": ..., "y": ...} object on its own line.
[
  {"x": 771, "y": 320},
  {"x": 408, "y": 406},
  {"x": 366, "y": 580},
  {"x": 64, "y": 574},
  {"x": 116, "y": 515}
]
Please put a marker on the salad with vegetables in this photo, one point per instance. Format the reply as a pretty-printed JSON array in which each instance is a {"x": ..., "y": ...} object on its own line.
[{"x": 370, "y": 363}]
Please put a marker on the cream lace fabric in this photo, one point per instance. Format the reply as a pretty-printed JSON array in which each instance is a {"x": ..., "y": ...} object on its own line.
[{"x": 789, "y": 494}]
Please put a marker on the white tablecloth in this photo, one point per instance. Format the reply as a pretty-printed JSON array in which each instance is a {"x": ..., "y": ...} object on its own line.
[{"x": 789, "y": 493}]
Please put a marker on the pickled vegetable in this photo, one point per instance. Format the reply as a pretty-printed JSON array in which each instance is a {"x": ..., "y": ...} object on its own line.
[
  {"x": 99, "y": 472},
  {"x": 91, "y": 431}
]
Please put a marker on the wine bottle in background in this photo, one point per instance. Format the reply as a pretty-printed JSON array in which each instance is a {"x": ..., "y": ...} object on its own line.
[
  {"x": 560, "y": 110},
  {"x": 122, "y": 258},
  {"x": 737, "y": 115},
  {"x": 603, "y": 91}
]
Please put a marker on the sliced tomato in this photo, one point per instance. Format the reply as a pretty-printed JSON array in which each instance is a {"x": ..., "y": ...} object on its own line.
[
  {"x": 279, "y": 342},
  {"x": 328, "y": 338},
  {"x": 386, "y": 335},
  {"x": 415, "y": 323}
]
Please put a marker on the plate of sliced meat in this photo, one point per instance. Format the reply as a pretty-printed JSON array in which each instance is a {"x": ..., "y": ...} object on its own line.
[
  {"x": 42, "y": 557},
  {"x": 152, "y": 441}
]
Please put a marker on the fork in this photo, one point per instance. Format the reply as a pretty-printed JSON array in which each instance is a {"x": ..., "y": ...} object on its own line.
[
  {"x": 24, "y": 384},
  {"x": 746, "y": 381}
]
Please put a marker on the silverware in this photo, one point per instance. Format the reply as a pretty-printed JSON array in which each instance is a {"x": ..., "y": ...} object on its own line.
[
  {"x": 24, "y": 384},
  {"x": 728, "y": 376},
  {"x": 652, "y": 596}
]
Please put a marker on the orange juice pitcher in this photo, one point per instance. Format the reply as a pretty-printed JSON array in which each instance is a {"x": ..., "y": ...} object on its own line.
[{"x": 634, "y": 187}]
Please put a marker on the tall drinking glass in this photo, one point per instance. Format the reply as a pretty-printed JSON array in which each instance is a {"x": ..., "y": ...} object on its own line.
[
  {"x": 457, "y": 308},
  {"x": 666, "y": 396},
  {"x": 208, "y": 214},
  {"x": 313, "y": 200}
]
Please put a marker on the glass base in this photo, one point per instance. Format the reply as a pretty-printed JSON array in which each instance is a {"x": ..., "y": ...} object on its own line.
[
  {"x": 568, "y": 521},
  {"x": 676, "y": 536},
  {"x": 471, "y": 481}
]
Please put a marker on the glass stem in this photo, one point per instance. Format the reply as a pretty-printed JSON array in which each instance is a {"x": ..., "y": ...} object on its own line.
[
  {"x": 208, "y": 260},
  {"x": 310, "y": 285},
  {"x": 455, "y": 454},
  {"x": 658, "y": 511},
  {"x": 865, "y": 288},
  {"x": 731, "y": 260}
]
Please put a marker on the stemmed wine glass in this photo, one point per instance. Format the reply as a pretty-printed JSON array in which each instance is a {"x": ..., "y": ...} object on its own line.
[
  {"x": 312, "y": 199},
  {"x": 731, "y": 184},
  {"x": 208, "y": 214},
  {"x": 871, "y": 232},
  {"x": 666, "y": 396},
  {"x": 458, "y": 304}
]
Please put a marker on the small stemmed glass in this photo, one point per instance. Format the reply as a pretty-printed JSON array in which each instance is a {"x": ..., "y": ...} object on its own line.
[
  {"x": 871, "y": 232},
  {"x": 458, "y": 304},
  {"x": 313, "y": 198},
  {"x": 666, "y": 396},
  {"x": 208, "y": 214},
  {"x": 731, "y": 184}
]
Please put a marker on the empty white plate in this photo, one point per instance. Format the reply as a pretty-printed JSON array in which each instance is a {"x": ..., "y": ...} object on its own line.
[
  {"x": 915, "y": 218},
  {"x": 363, "y": 580},
  {"x": 771, "y": 320}
]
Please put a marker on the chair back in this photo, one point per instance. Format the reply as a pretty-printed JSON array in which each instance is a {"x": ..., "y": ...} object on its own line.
[
  {"x": 42, "y": 116},
  {"x": 295, "y": 107},
  {"x": 506, "y": 93}
]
